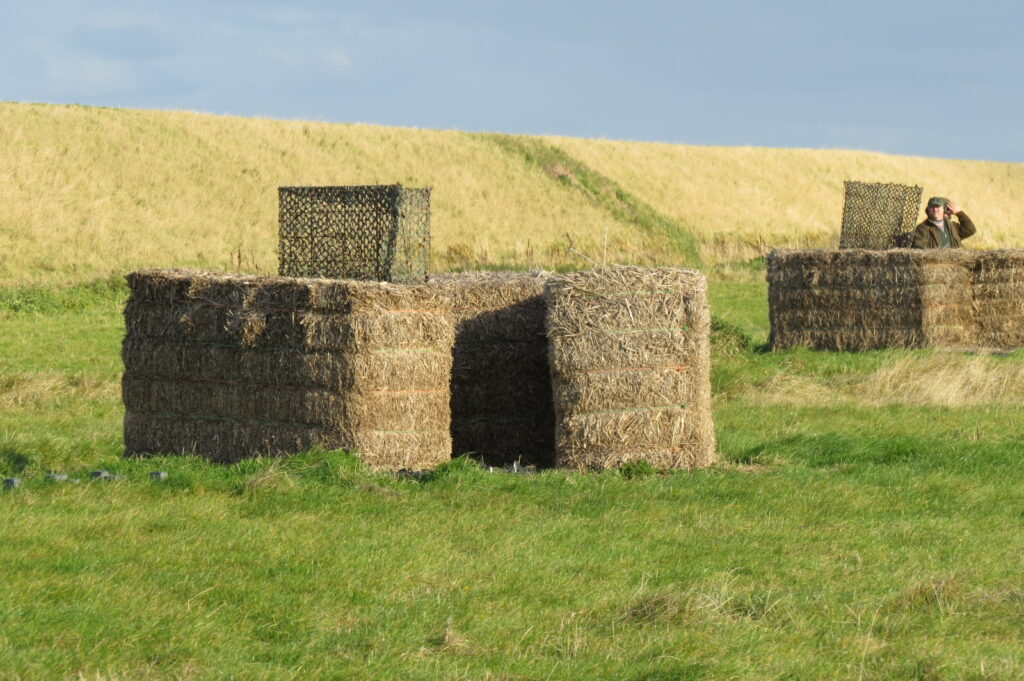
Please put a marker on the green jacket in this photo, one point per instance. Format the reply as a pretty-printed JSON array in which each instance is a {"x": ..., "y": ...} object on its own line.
[{"x": 926, "y": 235}]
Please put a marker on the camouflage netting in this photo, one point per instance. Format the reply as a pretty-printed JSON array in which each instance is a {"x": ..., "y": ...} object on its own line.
[
  {"x": 501, "y": 384},
  {"x": 630, "y": 368},
  {"x": 235, "y": 366},
  {"x": 878, "y": 215},
  {"x": 371, "y": 233},
  {"x": 862, "y": 300}
]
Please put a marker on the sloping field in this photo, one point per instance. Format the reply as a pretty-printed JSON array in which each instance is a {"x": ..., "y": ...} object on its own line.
[
  {"x": 737, "y": 199},
  {"x": 89, "y": 192}
]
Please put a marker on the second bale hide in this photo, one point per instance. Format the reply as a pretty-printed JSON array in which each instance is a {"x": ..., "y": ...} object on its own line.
[
  {"x": 630, "y": 366},
  {"x": 906, "y": 298}
]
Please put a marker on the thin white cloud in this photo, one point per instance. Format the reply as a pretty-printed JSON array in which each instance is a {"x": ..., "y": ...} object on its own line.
[{"x": 337, "y": 60}]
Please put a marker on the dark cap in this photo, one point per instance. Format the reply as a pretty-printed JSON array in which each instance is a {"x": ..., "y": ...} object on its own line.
[{"x": 938, "y": 201}]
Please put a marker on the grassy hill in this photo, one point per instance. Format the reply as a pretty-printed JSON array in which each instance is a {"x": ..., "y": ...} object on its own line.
[{"x": 89, "y": 192}]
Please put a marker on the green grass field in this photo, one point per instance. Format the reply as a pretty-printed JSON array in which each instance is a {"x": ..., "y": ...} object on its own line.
[{"x": 862, "y": 524}]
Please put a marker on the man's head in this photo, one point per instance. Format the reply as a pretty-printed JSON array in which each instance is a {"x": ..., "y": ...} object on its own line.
[{"x": 937, "y": 208}]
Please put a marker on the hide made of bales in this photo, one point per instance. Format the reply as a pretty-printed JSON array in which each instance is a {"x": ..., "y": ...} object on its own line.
[
  {"x": 863, "y": 300},
  {"x": 231, "y": 366},
  {"x": 630, "y": 366},
  {"x": 501, "y": 384}
]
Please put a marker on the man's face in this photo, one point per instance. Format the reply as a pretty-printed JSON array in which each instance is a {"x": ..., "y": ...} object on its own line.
[{"x": 936, "y": 212}]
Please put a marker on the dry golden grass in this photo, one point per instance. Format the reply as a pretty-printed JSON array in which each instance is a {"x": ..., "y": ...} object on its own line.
[
  {"x": 939, "y": 379},
  {"x": 87, "y": 192},
  {"x": 90, "y": 191},
  {"x": 737, "y": 199},
  {"x": 47, "y": 390}
]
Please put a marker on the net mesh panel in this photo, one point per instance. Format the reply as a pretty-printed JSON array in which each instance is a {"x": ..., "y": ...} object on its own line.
[
  {"x": 376, "y": 232},
  {"x": 878, "y": 215}
]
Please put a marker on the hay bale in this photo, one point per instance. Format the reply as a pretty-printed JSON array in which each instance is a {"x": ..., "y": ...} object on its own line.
[
  {"x": 501, "y": 403},
  {"x": 231, "y": 366},
  {"x": 998, "y": 287},
  {"x": 859, "y": 300},
  {"x": 630, "y": 368},
  {"x": 864, "y": 300}
]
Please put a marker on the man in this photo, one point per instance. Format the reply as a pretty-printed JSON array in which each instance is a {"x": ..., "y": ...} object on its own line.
[{"x": 939, "y": 230}]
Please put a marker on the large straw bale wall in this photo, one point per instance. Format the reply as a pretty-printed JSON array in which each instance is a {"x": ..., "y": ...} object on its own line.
[
  {"x": 905, "y": 298},
  {"x": 235, "y": 366},
  {"x": 997, "y": 282},
  {"x": 501, "y": 403},
  {"x": 630, "y": 366}
]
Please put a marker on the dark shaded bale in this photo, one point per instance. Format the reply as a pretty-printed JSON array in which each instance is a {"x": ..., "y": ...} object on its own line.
[
  {"x": 501, "y": 403},
  {"x": 630, "y": 367},
  {"x": 220, "y": 440}
]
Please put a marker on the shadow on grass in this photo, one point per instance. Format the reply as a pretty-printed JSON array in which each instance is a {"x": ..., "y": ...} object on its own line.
[
  {"x": 14, "y": 461},
  {"x": 827, "y": 450}
]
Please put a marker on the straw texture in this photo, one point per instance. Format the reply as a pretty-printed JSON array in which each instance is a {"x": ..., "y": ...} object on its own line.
[
  {"x": 231, "y": 366},
  {"x": 862, "y": 300},
  {"x": 629, "y": 351}
]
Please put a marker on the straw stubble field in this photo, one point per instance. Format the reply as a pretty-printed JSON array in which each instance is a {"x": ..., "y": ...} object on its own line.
[{"x": 818, "y": 547}]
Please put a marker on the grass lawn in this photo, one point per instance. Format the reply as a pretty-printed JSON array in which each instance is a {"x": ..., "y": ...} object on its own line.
[{"x": 860, "y": 525}]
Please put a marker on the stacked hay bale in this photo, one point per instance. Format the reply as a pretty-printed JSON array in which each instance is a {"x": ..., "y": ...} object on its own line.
[
  {"x": 235, "y": 366},
  {"x": 948, "y": 316},
  {"x": 998, "y": 286},
  {"x": 860, "y": 300},
  {"x": 630, "y": 368},
  {"x": 501, "y": 384}
]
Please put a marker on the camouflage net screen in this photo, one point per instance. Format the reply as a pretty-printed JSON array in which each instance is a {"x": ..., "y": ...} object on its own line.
[
  {"x": 878, "y": 216},
  {"x": 376, "y": 232}
]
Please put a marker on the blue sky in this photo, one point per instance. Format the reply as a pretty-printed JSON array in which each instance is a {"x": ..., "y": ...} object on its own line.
[{"x": 937, "y": 79}]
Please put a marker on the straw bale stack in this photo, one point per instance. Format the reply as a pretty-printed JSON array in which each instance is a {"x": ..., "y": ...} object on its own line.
[
  {"x": 861, "y": 300},
  {"x": 233, "y": 366},
  {"x": 630, "y": 367},
  {"x": 501, "y": 384},
  {"x": 998, "y": 284}
]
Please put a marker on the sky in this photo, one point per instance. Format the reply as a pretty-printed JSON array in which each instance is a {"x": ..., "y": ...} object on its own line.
[{"x": 939, "y": 79}]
